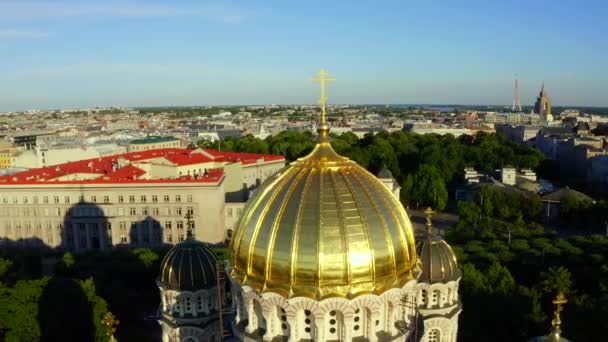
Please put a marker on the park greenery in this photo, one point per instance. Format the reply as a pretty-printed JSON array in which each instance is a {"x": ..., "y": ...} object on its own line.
[
  {"x": 70, "y": 304},
  {"x": 512, "y": 263},
  {"x": 511, "y": 274},
  {"x": 424, "y": 165}
]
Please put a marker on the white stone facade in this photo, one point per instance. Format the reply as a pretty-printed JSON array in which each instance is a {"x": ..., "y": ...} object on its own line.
[
  {"x": 190, "y": 316},
  {"x": 440, "y": 306},
  {"x": 386, "y": 317}
]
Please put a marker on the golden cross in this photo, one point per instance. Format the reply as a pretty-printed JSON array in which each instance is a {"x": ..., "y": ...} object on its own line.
[
  {"x": 429, "y": 221},
  {"x": 559, "y": 302},
  {"x": 323, "y": 78},
  {"x": 110, "y": 321},
  {"x": 429, "y": 216}
]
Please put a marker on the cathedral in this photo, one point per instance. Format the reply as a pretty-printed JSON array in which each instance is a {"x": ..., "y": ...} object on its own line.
[
  {"x": 323, "y": 251},
  {"x": 542, "y": 107}
]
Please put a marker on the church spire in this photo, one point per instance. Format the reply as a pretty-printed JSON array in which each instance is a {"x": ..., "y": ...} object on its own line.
[{"x": 323, "y": 126}]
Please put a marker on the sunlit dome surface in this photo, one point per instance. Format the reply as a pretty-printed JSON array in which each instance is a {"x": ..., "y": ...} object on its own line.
[{"x": 324, "y": 227}]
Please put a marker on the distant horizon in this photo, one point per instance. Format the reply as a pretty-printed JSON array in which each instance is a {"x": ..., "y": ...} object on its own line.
[
  {"x": 74, "y": 54},
  {"x": 297, "y": 104}
]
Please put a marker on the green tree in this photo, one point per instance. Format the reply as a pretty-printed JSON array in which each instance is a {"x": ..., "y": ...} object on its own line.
[
  {"x": 20, "y": 310},
  {"x": 146, "y": 256},
  {"x": 499, "y": 279},
  {"x": 556, "y": 279},
  {"x": 5, "y": 266},
  {"x": 428, "y": 188},
  {"x": 68, "y": 259},
  {"x": 99, "y": 308}
]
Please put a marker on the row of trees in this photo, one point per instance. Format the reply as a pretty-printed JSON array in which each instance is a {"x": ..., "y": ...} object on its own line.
[
  {"x": 49, "y": 309},
  {"x": 507, "y": 288},
  {"x": 508, "y": 210},
  {"x": 70, "y": 305},
  {"x": 512, "y": 268},
  {"x": 423, "y": 164}
]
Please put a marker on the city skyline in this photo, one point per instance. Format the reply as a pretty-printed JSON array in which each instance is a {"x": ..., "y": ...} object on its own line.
[{"x": 68, "y": 54}]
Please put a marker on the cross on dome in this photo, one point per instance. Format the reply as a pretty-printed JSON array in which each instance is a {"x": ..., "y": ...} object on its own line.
[{"x": 323, "y": 79}]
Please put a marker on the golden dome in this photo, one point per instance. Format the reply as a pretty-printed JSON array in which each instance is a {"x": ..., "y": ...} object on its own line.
[
  {"x": 324, "y": 227},
  {"x": 438, "y": 260}
]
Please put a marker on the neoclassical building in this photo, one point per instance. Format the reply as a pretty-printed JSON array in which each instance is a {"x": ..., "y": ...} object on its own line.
[{"x": 190, "y": 300}]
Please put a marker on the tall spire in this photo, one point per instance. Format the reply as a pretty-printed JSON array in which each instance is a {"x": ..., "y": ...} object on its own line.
[
  {"x": 323, "y": 126},
  {"x": 542, "y": 88}
]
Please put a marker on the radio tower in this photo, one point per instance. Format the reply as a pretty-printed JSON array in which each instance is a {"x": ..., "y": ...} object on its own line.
[{"x": 516, "y": 103}]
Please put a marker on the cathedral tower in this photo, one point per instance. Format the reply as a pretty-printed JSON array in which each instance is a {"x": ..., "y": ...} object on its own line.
[
  {"x": 542, "y": 107},
  {"x": 188, "y": 283},
  {"x": 437, "y": 288}
]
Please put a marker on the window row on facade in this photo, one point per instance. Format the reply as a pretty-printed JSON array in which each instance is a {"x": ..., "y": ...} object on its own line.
[
  {"x": 89, "y": 211},
  {"x": 95, "y": 199}
]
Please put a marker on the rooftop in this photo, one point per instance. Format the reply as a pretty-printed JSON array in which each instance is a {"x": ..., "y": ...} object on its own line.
[
  {"x": 128, "y": 168},
  {"x": 153, "y": 140}
]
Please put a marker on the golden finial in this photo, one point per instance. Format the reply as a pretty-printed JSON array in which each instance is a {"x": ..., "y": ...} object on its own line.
[
  {"x": 429, "y": 220},
  {"x": 110, "y": 321},
  {"x": 559, "y": 302},
  {"x": 323, "y": 78}
]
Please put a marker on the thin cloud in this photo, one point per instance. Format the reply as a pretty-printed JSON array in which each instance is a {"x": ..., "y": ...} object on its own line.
[
  {"x": 36, "y": 10},
  {"x": 19, "y": 34}
]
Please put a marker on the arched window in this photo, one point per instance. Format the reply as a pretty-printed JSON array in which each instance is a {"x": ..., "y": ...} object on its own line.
[
  {"x": 188, "y": 304},
  {"x": 434, "y": 335},
  {"x": 435, "y": 298},
  {"x": 306, "y": 325},
  {"x": 334, "y": 321},
  {"x": 362, "y": 323},
  {"x": 281, "y": 321},
  {"x": 199, "y": 303},
  {"x": 423, "y": 298}
]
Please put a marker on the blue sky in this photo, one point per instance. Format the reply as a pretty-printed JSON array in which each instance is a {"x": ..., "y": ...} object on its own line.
[{"x": 74, "y": 54}]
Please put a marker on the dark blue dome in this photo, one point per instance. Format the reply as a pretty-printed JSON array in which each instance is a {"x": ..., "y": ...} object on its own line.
[{"x": 189, "y": 266}]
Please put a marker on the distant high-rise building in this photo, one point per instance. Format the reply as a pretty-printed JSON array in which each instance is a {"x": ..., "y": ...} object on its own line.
[{"x": 542, "y": 107}]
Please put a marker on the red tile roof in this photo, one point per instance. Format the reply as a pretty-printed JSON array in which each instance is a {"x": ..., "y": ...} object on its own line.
[
  {"x": 108, "y": 171},
  {"x": 244, "y": 158}
]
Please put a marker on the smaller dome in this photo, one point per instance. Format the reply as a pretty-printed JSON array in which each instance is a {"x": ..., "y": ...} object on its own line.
[
  {"x": 438, "y": 260},
  {"x": 189, "y": 266}
]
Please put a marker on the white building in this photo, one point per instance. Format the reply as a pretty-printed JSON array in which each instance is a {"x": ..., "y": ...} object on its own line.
[
  {"x": 138, "y": 198},
  {"x": 429, "y": 128}
]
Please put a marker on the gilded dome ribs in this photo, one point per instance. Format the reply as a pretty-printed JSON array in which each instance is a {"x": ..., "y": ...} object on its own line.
[
  {"x": 401, "y": 224},
  {"x": 340, "y": 226},
  {"x": 267, "y": 217},
  {"x": 324, "y": 227},
  {"x": 293, "y": 255},
  {"x": 365, "y": 246},
  {"x": 278, "y": 225}
]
